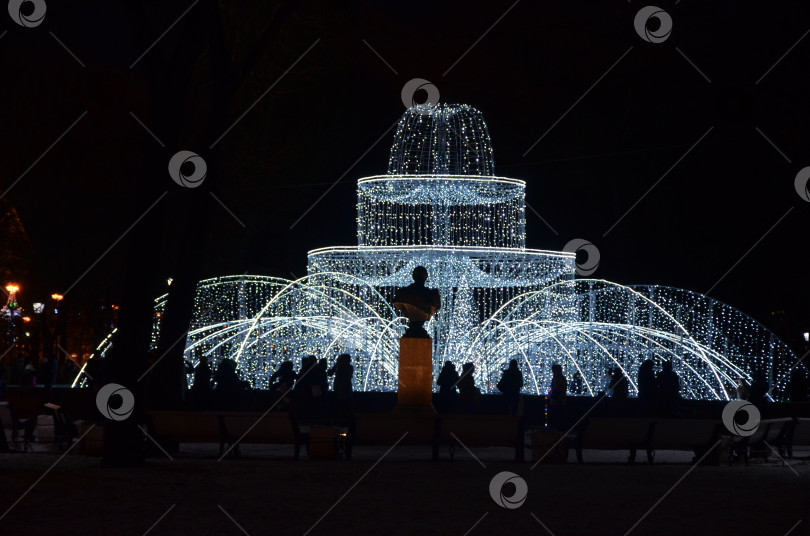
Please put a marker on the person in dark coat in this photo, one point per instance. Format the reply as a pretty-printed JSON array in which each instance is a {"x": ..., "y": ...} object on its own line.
[
  {"x": 556, "y": 398},
  {"x": 510, "y": 385},
  {"x": 343, "y": 372},
  {"x": 201, "y": 388},
  {"x": 647, "y": 389},
  {"x": 620, "y": 391},
  {"x": 309, "y": 391},
  {"x": 468, "y": 394},
  {"x": 228, "y": 385},
  {"x": 759, "y": 389},
  {"x": 447, "y": 382},
  {"x": 618, "y": 384},
  {"x": 669, "y": 390},
  {"x": 283, "y": 378}
]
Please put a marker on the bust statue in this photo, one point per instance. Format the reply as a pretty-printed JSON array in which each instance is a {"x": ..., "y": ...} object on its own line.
[{"x": 418, "y": 303}]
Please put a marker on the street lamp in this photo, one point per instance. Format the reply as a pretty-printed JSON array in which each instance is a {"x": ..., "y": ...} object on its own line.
[
  {"x": 39, "y": 307},
  {"x": 57, "y": 298}
]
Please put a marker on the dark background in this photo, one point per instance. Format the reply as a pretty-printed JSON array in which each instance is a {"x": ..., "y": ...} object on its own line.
[{"x": 320, "y": 117}]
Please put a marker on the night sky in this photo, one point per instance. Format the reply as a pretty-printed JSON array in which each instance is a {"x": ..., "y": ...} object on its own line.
[{"x": 615, "y": 114}]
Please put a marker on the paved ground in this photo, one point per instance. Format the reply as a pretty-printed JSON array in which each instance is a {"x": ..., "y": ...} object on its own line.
[{"x": 264, "y": 492}]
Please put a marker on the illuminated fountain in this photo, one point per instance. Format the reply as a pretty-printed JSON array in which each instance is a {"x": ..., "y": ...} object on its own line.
[{"x": 441, "y": 206}]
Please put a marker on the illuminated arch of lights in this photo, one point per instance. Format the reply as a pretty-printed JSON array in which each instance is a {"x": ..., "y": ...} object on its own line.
[{"x": 441, "y": 206}]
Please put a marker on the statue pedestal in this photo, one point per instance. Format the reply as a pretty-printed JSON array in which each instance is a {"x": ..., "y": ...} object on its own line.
[{"x": 415, "y": 373}]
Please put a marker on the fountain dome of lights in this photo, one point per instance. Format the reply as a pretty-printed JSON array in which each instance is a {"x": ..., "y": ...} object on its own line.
[{"x": 441, "y": 206}]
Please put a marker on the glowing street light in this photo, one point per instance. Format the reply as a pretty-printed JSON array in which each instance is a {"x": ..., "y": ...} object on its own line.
[
  {"x": 57, "y": 297},
  {"x": 12, "y": 288},
  {"x": 39, "y": 307}
]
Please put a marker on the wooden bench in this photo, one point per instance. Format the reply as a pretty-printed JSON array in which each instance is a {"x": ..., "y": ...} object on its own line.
[
  {"x": 257, "y": 427},
  {"x": 389, "y": 428},
  {"x": 188, "y": 426},
  {"x": 613, "y": 434},
  {"x": 697, "y": 435},
  {"x": 800, "y": 436},
  {"x": 223, "y": 427},
  {"x": 771, "y": 433},
  {"x": 468, "y": 430}
]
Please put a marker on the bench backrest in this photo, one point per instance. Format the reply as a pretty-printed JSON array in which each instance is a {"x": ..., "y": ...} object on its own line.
[
  {"x": 187, "y": 425},
  {"x": 481, "y": 430},
  {"x": 676, "y": 434},
  {"x": 615, "y": 433},
  {"x": 274, "y": 427},
  {"x": 387, "y": 428},
  {"x": 769, "y": 430}
]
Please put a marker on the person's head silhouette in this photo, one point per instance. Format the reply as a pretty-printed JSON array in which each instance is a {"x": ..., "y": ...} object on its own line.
[{"x": 420, "y": 274}]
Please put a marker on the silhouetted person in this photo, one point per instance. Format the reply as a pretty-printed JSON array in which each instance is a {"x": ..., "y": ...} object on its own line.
[
  {"x": 797, "y": 386},
  {"x": 307, "y": 401},
  {"x": 620, "y": 391},
  {"x": 418, "y": 303},
  {"x": 343, "y": 371},
  {"x": 577, "y": 384},
  {"x": 321, "y": 378},
  {"x": 447, "y": 382},
  {"x": 742, "y": 389},
  {"x": 201, "y": 388},
  {"x": 309, "y": 391},
  {"x": 468, "y": 394},
  {"x": 228, "y": 385},
  {"x": 283, "y": 378},
  {"x": 556, "y": 398},
  {"x": 759, "y": 389},
  {"x": 618, "y": 384},
  {"x": 29, "y": 376},
  {"x": 647, "y": 389},
  {"x": 510, "y": 385},
  {"x": 669, "y": 390}
]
